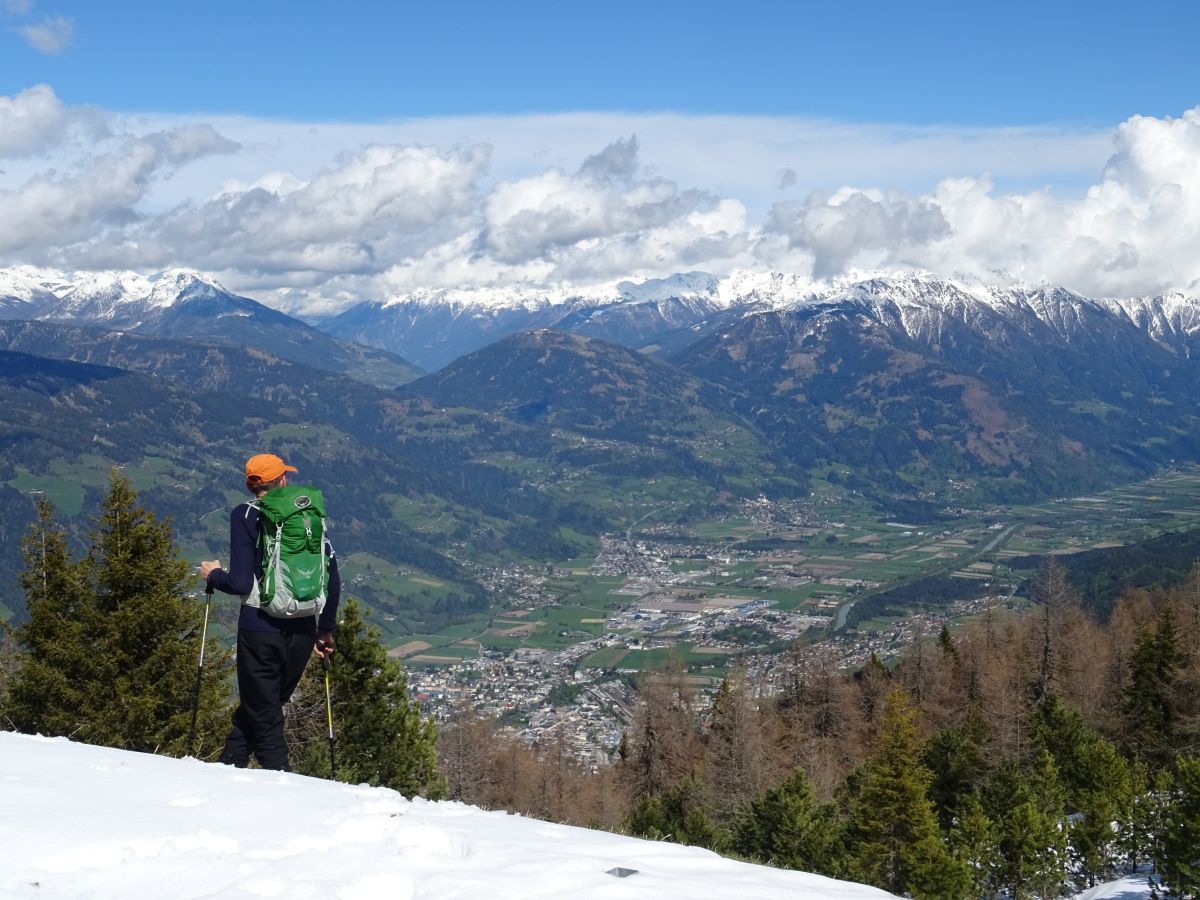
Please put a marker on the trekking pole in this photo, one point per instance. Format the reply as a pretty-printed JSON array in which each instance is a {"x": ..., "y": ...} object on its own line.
[
  {"x": 200, "y": 670},
  {"x": 327, "y": 664}
]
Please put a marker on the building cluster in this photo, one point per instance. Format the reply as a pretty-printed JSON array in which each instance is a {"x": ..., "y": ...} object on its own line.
[{"x": 675, "y": 590}]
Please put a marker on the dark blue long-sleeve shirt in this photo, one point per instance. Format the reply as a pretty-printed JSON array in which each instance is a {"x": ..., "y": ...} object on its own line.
[{"x": 245, "y": 564}]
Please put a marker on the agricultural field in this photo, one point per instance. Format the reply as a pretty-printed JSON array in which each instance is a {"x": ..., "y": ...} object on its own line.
[{"x": 813, "y": 561}]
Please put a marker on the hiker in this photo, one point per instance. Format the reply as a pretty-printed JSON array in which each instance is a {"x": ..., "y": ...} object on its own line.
[{"x": 276, "y": 634}]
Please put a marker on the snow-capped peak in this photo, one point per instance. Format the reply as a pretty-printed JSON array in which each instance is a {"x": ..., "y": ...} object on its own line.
[
  {"x": 27, "y": 283},
  {"x": 173, "y": 284},
  {"x": 684, "y": 285}
]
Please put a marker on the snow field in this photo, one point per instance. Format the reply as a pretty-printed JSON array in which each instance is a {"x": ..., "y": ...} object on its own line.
[{"x": 80, "y": 821}]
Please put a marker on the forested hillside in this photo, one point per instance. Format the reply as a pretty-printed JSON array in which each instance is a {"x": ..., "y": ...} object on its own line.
[{"x": 1019, "y": 757}]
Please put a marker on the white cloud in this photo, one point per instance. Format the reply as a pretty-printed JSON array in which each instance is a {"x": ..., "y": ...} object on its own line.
[
  {"x": 856, "y": 229},
  {"x": 35, "y": 123},
  {"x": 31, "y": 122},
  {"x": 16, "y": 7},
  {"x": 381, "y": 204},
  {"x": 50, "y": 36},
  {"x": 320, "y": 214},
  {"x": 55, "y": 211}
]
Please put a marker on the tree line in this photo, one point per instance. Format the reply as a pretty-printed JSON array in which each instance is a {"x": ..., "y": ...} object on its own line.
[
  {"x": 1019, "y": 757},
  {"x": 1024, "y": 756},
  {"x": 109, "y": 655}
]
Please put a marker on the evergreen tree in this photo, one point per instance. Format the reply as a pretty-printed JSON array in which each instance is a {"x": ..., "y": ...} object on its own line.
[
  {"x": 1149, "y": 710},
  {"x": 147, "y": 635},
  {"x": 1025, "y": 804},
  {"x": 1177, "y": 855},
  {"x": 112, "y": 642},
  {"x": 787, "y": 827},
  {"x": 49, "y": 689},
  {"x": 1105, "y": 806},
  {"x": 677, "y": 815},
  {"x": 1096, "y": 786},
  {"x": 958, "y": 761},
  {"x": 973, "y": 842},
  {"x": 381, "y": 738},
  {"x": 894, "y": 838}
]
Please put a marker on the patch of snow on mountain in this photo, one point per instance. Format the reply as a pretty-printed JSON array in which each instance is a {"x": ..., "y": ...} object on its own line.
[
  {"x": 27, "y": 283},
  {"x": 683, "y": 286},
  {"x": 172, "y": 284},
  {"x": 528, "y": 299},
  {"x": 770, "y": 289}
]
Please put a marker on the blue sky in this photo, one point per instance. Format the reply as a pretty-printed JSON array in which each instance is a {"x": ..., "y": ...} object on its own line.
[
  {"x": 314, "y": 154},
  {"x": 986, "y": 63}
]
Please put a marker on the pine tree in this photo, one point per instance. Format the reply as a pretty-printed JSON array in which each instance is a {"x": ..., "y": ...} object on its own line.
[
  {"x": 678, "y": 815},
  {"x": 958, "y": 761},
  {"x": 1177, "y": 853},
  {"x": 894, "y": 838},
  {"x": 112, "y": 642},
  {"x": 973, "y": 842},
  {"x": 1104, "y": 803},
  {"x": 381, "y": 738},
  {"x": 147, "y": 639},
  {"x": 1149, "y": 711},
  {"x": 1096, "y": 785},
  {"x": 1026, "y": 807},
  {"x": 49, "y": 690},
  {"x": 787, "y": 827}
]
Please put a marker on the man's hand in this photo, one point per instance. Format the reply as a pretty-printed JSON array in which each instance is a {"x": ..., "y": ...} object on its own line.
[
  {"x": 324, "y": 645},
  {"x": 209, "y": 566}
]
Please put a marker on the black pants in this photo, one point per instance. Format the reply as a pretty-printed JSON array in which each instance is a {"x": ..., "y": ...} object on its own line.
[{"x": 269, "y": 666}]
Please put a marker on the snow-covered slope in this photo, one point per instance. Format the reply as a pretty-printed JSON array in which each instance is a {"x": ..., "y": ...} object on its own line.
[
  {"x": 80, "y": 821},
  {"x": 433, "y": 327},
  {"x": 115, "y": 299}
]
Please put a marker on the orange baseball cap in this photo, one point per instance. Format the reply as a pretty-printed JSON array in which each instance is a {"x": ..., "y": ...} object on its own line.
[{"x": 266, "y": 467}]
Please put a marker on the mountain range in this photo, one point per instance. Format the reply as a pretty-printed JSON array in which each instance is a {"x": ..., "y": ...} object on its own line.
[
  {"x": 434, "y": 327},
  {"x": 574, "y": 415},
  {"x": 180, "y": 303}
]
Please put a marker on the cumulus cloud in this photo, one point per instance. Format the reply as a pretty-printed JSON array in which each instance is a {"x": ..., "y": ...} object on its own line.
[
  {"x": 53, "y": 210},
  {"x": 34, "y": 122},
  {"x": 50, "y": 36},
  {"x": 604, "y": 218},
  {"x": 1133, "y": 231},
  {"x": 325, "y": 228},
  {"x": 31, "y": 121},
  {"x": 859, "y": 229},
  {"x": 358, "y": 217}
]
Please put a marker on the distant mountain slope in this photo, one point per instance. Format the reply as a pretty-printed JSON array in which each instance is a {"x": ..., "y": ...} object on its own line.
[
  {"x": 434, "y": 327},
  {"x": 66, "y": 424},
  {"x": 916, "y": 382},
  {"x": 184, "y": 304},
  {"x": 603, "y": 391},
  {"x": 419, "y": 484},
  {"x": 569, "y": 381}
]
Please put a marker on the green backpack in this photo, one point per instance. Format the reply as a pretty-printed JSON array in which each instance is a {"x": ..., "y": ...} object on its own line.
[{"x": 295, "y": 552}]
